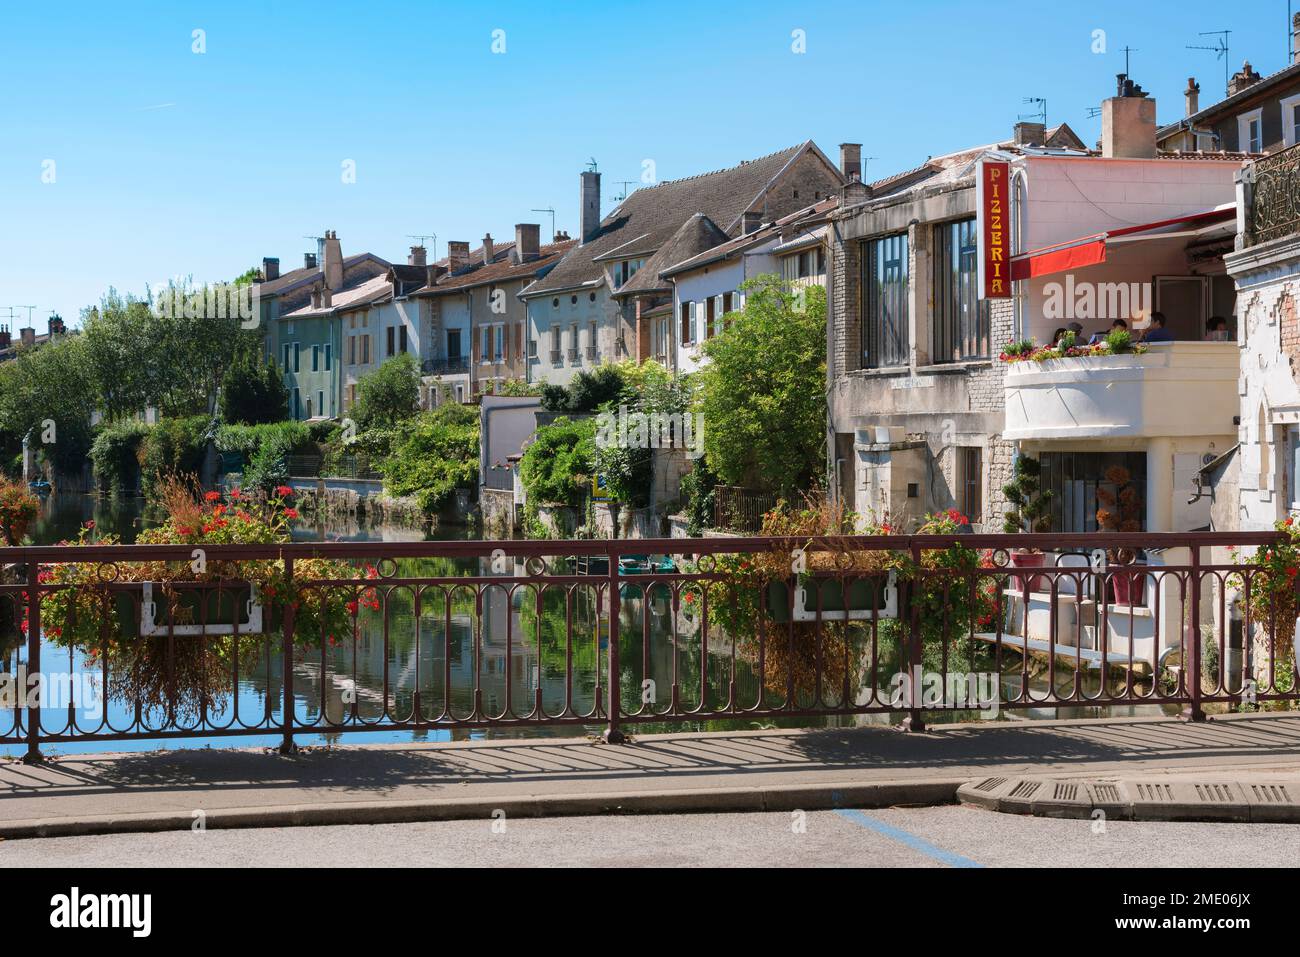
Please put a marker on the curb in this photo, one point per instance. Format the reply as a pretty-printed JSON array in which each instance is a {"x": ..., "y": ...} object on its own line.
[
  {"x": 807, "y": 797},
  {"x": 1147, "y": 799}
]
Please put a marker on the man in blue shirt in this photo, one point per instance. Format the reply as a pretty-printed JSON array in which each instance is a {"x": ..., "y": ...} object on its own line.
[{"x": 1157, "y": 331}]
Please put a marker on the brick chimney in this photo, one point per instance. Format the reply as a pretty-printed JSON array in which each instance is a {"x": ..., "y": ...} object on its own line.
[
  {"x": 309, "y": 260},
  {"x": 27, "y": 335},
  {"x": 333, "y": 265},
  {"x": 315, "y": 296},
  {"x": 417, "y": 256},
  {"x": 433, "y": 272},
  {"x": 270, "y": 269},
  {"x": 56, "y": 326},
  {"x": 750, "y": 220},
  {"x": 590, "y": 205},
  {"x": 5, "y": 339},
  {"x": 1030, "y": 134},
  {"x": 527, "y": 242},
  {"x": 457, "y": 255},
  {"x": 562, "y": 236},
  {"x": 488, "y": 249},
  {"x": 1193, "y": 96},
  {"x": 1243, "y": 78},
  {"x": 850, "y": 160},
  {"x": 1128, "y": 123}
]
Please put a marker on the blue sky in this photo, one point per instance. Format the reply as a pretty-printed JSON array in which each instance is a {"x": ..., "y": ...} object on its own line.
[{"x": 170, "y": 162}]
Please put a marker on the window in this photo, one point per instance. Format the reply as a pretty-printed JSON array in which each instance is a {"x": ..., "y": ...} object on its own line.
[
  {"x": 532, "y": 348},
  {"x": 688, "y": 323},
  {"x": 886, "y": 341},
  {"x": 969, "y": 482},
  {"x": 288, "y": 327},
  {"x": 485, "y": 345},
  {"x": 500, "y": 336},
  {"x": 626, "y": 270},
  {"x": 591, "y": 340},
  {"x": 320, "y": 402},
  {"x": 961, "y": 328},
  {"x": 286, "y": 359},
  {"x": 352, "y": 350},
  {"x": 573, "y": 342},
  {"x": 710, "y": 313},
  {"x": 401, "y": 340},
  {"x": 453, "y": 345},
  {"x": 1250, "y": 131},
  {"x": 315, "y": 358},
  {"x": 1291, "y": 120},
  {"x": 329, "y": 356},
  {"x": 1075, "y": 478},
  {"x": 555, "y": 345},
  {"x": 297, "y": 358},
  {"x": 389, "y": 343},
  {"x": 365, "y": 350}
]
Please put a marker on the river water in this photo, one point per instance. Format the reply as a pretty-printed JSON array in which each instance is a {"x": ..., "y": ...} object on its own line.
[{"x": 510, "y": 668}]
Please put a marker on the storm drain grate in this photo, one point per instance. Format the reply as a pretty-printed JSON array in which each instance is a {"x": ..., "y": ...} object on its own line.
[
  {"x": 1024, "y": 789},
  {"x": 1108, "y": 793},
  {"x": 1213, "y": 793},
  {"x": 1155, "y": 792},
  {"x": 1065, "y": 792},
  {"x": 1270, "y": 793},
  {"x": 990, "y": 784}
]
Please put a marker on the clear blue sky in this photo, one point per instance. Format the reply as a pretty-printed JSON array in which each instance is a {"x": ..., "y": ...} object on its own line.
[{"x": 169, "y": 162}]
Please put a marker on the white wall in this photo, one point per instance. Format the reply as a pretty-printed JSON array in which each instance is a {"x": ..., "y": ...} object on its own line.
[{"x": 564, "y": 309}]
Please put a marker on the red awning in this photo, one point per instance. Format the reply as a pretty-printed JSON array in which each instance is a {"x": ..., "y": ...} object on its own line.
[{"x": 1091, "y": 250}]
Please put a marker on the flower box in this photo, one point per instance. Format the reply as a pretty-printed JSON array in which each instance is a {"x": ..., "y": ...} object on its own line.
[
  {"x": 869, "y": 596},
  {"x": 236, "y": 604}
]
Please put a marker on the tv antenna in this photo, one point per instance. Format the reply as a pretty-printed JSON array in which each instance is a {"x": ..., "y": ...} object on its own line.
[
  {"x": 433, "y": 236},
  {"x": 591, "y": 165},
  {"x": 551, "y": 210},
  {"x": 320, "y": 249},
  {"x": 1220, "y": 51},
  {"x": 625, "y": 183},
  {"x": 1040, "y": 113},
  {"x": 1128, "y": 51},
  {"x": 866, "y": 161}
]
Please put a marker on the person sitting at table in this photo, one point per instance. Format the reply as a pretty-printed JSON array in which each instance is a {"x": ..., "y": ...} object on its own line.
[
  {"x": 1157, "y": 332},
  {"x": 1217, "y": 329},
  {"x": 1117, "y": 325},
  {"x": 1056, "y": 336}
]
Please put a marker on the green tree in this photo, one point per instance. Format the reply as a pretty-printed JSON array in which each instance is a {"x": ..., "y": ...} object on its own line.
[
  {"x": 557, "y": 468},
  {"x": 46, "y": 393},
  {"x": 763, "y": 391},
  {"x": 437, "y": 455},
  {"x": 253, "y": 391},
  {"x": 390, "y": 394}
]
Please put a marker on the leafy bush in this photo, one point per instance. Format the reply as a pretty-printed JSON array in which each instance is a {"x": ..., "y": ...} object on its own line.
[
  {"x": 437, "y": 454},
  {"x": 266, "y": 449},
  {"x": 557, "y": 468},
  {"x": 587, "y": 392},
  {"x": 173, "y": 447},
  {"x": 697, "y": 489},
  {"x": 115, "y": 455}
]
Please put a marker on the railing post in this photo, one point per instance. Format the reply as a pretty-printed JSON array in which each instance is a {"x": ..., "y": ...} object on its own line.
[
  {"x": 33, "y": 702},
  {"x": 613, "y": 734},
  {"x": 915, "y": 721},
  {"x": 287, "y": 745},
  {"x": 1194, "y": 712}
]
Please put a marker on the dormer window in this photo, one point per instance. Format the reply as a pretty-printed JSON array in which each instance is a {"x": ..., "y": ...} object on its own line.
[
  {"x": 625, "y": 270},
  {"x": 1250, "y": 131}
]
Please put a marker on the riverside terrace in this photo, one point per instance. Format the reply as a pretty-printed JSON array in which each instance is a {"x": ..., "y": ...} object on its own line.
[{"x": 480, "y": 634}]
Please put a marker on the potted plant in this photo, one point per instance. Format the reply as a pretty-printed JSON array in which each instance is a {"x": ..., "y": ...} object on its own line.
[
  {"x": 1030, "y": 512},
  {"x": 1119, "y": 509}
]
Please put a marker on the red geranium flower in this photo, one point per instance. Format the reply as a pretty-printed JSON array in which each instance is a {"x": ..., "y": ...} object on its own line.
[
  {"x": 90, "y": 523},
  {"x": 290, "y": 513},
  {"x": 283, "y": 491},
  {"x": 212, "y": 496}
]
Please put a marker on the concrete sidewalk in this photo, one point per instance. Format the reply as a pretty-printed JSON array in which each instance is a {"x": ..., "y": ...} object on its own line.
[{"x": 742, "y": 771}]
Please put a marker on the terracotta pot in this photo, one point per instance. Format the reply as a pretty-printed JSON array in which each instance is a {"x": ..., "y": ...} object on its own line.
[
  {"x": 1030, "y": 583},
  {"x": 1128, "y": 588}
]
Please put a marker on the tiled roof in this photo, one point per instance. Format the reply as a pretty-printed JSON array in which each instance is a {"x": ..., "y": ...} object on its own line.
[
  {"x": 299, "y": 277},
  {"x": 369, "y": 293},
  {"x": 1228, "y": 104},
  {"x": 503, "y": 268},
  {"x": 698, "y": 234},
  {"x": 769, "y": 231},
  {"x": 650, "y": 216}
]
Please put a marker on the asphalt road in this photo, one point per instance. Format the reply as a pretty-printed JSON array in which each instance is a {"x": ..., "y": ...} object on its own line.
[{"x": 923, "y": 837}]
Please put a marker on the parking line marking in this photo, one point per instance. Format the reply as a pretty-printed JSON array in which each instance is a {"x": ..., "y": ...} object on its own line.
[{"x": 908, "y": 838}]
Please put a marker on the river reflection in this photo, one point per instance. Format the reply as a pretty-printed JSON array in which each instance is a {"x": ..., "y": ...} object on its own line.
[{"x": 430, "y": 651}]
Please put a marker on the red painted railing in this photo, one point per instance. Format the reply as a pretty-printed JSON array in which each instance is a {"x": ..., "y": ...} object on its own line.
[{"x": 440, "y": 636}]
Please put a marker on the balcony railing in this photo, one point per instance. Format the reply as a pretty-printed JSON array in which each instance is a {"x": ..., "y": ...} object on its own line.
[
  {"x": 595, "y": 633},
  {"x": 445, "y": 366},
  {"x": 1174, "y": 389},
  {"x": 1273, "y": 197},
  {"x": 573, "y": 355}
]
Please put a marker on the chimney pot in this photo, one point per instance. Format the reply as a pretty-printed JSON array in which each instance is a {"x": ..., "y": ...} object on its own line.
[
  {"x": 270, "y": 269},
  {"x": 333, "y": 265},
  {"x": 590, "y": 205},
  {"x": 27, "y": 335},
  {"x": 1243, "y": 78},
  {"x": 851, "y": 160},
  {"x": 5, "y": 339},
  {"x": 488, "y": 249},
  {"x": 1030, "y": 134},
  {"x": 309, "y": 260},
  {"x": 1193, "y": 96},
  {"x": 416, "y": 257}
]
